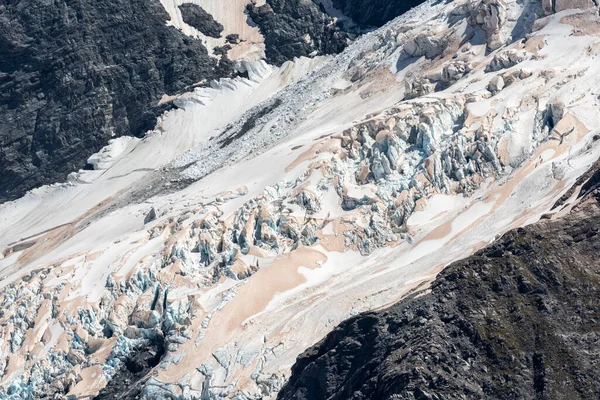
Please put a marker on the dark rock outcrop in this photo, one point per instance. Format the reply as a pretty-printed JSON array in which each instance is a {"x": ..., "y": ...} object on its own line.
[
  {"x": 232, "y": 38},
  {"x": 295, "y": 28},
  {"x": 374, "y": 13},
  {"x": 151, "y": 216},
  {"x": 196, "y": 17},
  {"x": 520, "y": 319},
  {"x": 132, "y": 374},
  {"x": 75, "y": 73}
]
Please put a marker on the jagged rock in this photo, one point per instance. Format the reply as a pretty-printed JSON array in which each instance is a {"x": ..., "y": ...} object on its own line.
[
  {"x": 295, "y": 28},
  {"x": 490, "y": 15},
  {"x": 506, "y": 59},
  {"x": 496, "y": 84},
  {"x": 418, "y": 87},
  {"x": 63, "y": 96},
  {"x": 198, "y": 18},
  {"x": 455, "y": 70},
  {"x": 374, "y": 12},
  {"x": 128, "y": 381},
  {"x": 555, "y": 111},
  {"x": 151, "y": 216},
  {"x": 232, "y": 38}
]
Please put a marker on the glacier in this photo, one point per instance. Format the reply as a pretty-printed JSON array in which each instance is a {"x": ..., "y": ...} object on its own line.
[{"x": 285, "y": 202}]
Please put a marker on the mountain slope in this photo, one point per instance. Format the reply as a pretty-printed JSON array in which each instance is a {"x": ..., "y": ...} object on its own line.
[
  {"x": 75, "y": 74},
  {"x": 200, "y": 260},
  {"x": 519, "y": 319}
]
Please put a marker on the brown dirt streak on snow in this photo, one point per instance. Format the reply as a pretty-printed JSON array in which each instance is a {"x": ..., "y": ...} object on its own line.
[
  {"x": 252, "y": 298},
  {"x": 584, "y": 24},
  {"x": 313, "y": 152}
]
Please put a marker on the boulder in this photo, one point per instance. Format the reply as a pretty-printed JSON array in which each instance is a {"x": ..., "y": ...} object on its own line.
[
  {"x": 151, "y": 216},
  {"x": 496, "y": 84},
  {"x": 506, "y": 59}
]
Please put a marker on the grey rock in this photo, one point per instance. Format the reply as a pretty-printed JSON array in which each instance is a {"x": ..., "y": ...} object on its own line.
[
  {"x": 295, "y": 28},
  {"x": 151, "y": 216},
  {"x": 196, "y": 17},
  {"x": 374, "y": 12},
  {"x": 74, "y": 74}
]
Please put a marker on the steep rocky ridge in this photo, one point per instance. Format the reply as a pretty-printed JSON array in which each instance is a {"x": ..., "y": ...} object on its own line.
[
  {"x": 295, "y": 28},
  {"x": 519, "y": 319},
  {"x": 75, "y": 74},
  {"x": 370, "y": 13}
]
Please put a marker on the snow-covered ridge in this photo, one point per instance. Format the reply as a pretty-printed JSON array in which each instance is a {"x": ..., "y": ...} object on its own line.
[{"x": 322, "y": 189}]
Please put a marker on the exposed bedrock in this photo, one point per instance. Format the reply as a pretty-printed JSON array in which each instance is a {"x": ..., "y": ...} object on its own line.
[
  {"x": 519, "y": 319},
  {"x": 131, "y": 375},
  {"x": 74, "y": 74},
  {"x": 198, "y": 18},
  {"x": 374, "y": 12},
  {"x": 296, "y": 28}
]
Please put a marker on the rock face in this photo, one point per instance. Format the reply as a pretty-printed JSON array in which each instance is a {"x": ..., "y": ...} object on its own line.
[
  {"x": 197, "y": 17},
  {"x": 518, "y": 319},
  {"x": 374, "y": 13},
  {"x": 73, "y": 74},
  {"x": 127, "y": 382},
  {"x": 296, "y": 28}
]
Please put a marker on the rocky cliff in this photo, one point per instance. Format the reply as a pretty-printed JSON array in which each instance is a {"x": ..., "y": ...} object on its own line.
[
  {"x": 519, "y": 319},
  {"x": 295, "y": 28},
  {"x": 374, "y": 12},
  {"x": 74, "y": 74}
]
